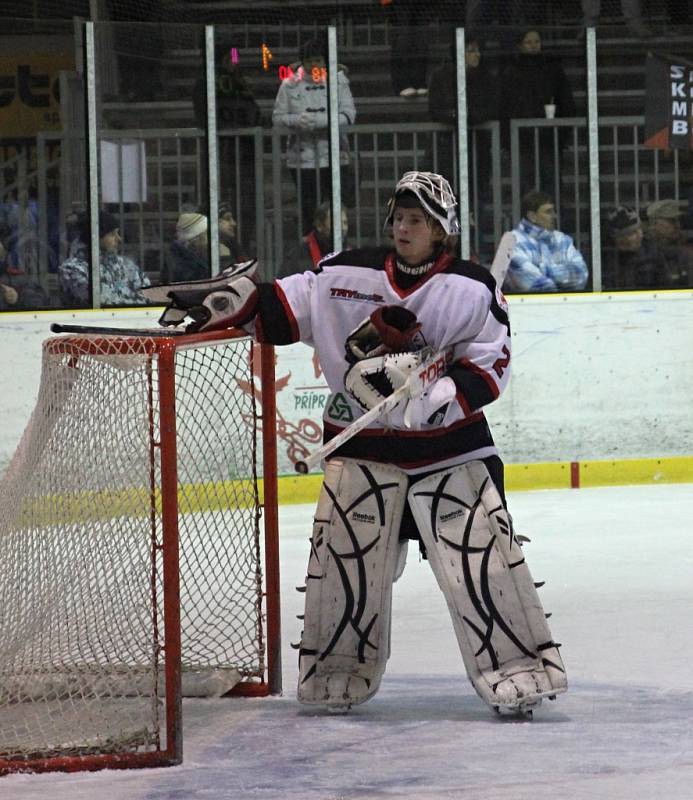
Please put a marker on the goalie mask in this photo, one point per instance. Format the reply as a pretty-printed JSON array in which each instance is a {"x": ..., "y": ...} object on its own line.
[{"x": 429, "y": 191}]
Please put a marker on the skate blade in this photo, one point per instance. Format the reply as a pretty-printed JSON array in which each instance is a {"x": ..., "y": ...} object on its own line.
[
  {"x": 338, "y": 709},
  {"x": 519, "y": 712}
]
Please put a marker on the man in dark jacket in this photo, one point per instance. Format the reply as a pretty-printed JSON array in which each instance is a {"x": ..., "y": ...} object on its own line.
[
  {"x": 531, "y": 82},
  {"x": 637, "y": 260},
  {"x": 316, "y": 244},
  {"x": 482, "y": 105}
]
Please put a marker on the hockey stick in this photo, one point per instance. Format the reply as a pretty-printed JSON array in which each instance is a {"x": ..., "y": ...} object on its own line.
[
  {"x": 56, "y": 327},
  {"x": 429, "y": 371},
  {"x": 503, "y": 256}
]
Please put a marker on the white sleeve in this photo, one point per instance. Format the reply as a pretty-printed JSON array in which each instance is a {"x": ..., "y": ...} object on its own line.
[
  {"x": 282, "y": 113},
  {"x": 296, "y": 293},
  {"x": 481, "y": 356}
]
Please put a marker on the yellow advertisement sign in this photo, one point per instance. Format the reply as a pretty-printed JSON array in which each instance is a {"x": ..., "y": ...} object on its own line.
[{"x": 29, "y": 93}]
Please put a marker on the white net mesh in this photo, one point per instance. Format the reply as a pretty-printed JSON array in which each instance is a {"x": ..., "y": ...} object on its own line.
[{"x": 82, "y": 625}]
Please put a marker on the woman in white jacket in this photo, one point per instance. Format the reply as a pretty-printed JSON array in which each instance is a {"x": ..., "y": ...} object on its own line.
[{"x": 301, "y": 104}]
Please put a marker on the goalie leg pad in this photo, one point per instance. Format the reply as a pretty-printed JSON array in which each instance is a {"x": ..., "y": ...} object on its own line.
[
  {"x": 353, "y": 561},
  {"x": 507, "y": 648}
]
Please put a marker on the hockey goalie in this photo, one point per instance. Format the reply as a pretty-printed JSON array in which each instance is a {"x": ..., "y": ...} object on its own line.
[{"x": 425, "y": 469}]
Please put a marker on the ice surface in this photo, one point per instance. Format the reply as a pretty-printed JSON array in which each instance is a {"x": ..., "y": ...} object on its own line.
[{"x": 619, "y": 568}]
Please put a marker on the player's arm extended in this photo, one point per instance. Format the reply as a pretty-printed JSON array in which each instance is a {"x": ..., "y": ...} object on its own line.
[{"x": 277, "y": 313}]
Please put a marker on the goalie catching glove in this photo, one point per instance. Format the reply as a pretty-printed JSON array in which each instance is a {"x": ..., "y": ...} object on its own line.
[
  {"x": 390, "y": 329},
  {"x": 371, "y": 380},
  {"x": 227, "y": 301}
]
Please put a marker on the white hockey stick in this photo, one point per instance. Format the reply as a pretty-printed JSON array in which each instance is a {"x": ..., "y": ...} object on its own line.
[
  {"x": 501, "y": 260},
  {"x": 430, "y": 370},
  {"x": 145, "y": 333}
]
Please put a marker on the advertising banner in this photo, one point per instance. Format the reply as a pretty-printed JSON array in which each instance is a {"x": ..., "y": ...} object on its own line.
[
  {"x": 29, "y": 93},
  {"x": 668, "y": 86}
]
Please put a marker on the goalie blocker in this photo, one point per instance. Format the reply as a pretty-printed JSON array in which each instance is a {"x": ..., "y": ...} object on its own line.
[{"x": 507, "y": 648}]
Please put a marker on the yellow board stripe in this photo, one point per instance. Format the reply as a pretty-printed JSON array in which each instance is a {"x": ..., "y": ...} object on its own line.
[
  {"x": 89, "y": 506},
  {"x": 93, "y": 505},
  {"x": 550, "y": 475},
  {"x": 637, "y": 470}
]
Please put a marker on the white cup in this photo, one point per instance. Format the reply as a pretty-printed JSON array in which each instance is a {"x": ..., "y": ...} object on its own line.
[{"x": 550, "y": 110}]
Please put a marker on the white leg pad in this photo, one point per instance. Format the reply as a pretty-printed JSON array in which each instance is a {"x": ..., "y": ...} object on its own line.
[
  {"x": 501, "y": 628},
  {"x": 354, "y": 557}
]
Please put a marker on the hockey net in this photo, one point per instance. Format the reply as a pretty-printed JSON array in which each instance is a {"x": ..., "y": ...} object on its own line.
[{"x": 131, "y": 549}]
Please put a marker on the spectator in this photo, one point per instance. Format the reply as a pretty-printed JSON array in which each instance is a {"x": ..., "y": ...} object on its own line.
[
  {"x": 543, "y": 259},
  {"x": 121, "y": 279},
  {"x": 8, "y": 294},
  {"x": 8, "y": 298},
  {"x": 301, "y": 104},
  {"x": 409, "y": 47},
  {"x": 316, "y": 244},
  {"x": 188, "y": 255},
  {"x": 19, "y": 228},
  {"x": 482, "y": 105},
  {"x": 664, "y": 223},
  {"x": 672, "y": 243},
  {"x": 236, "y": 108},
  {"x": 17, "y": 289},
  {"x": 634, "y": 262},
  {"x": 631, "y": 11},
  {"x": 529, "y": 83},
  {"x": 227, "y": 236}
]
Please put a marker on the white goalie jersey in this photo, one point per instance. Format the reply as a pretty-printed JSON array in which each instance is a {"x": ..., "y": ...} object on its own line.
[{"x": 457, "y": 305}]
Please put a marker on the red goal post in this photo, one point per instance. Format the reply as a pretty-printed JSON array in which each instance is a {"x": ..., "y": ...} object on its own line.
[{"x": 135, "y": 567}]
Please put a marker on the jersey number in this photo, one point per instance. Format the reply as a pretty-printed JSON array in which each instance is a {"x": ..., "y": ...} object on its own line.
[{"x": 500, "y": 364}]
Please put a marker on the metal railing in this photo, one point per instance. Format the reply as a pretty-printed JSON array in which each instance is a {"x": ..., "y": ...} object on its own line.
[
  {"x": 267, "y": 202},
  {"x": 629, "y": 173},
  {"x": 256, "y": 180},
  {"x": 587, "y": 166}
]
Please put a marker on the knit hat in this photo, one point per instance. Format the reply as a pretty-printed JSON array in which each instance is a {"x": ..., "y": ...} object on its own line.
[
  {"x": 189, "y": 226},
  {"x": 664, "y": 209},
  {"x": 623, "y": 221}
]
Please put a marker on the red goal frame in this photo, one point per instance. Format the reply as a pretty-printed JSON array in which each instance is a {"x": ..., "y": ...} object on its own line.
[{"x": 165, "y": 348}]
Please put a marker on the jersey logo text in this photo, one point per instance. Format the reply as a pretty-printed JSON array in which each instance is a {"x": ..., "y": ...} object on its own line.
[{"x": 352, "y": 294}]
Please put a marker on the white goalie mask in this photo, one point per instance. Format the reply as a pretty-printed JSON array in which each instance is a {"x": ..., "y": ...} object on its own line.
[{"x": 433, "y": 193}]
